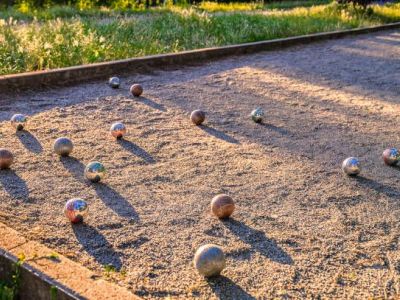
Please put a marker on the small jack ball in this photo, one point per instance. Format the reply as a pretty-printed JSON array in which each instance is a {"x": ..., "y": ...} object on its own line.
[
  {"x": 114, "y": 82},
  {"x": 136, "y": 90},
  {"x": 257, "y": 115},
  {"x": 391, "y": 156},
  {"x": 18, "y": 121},
  {"x": 118, "y": 130},
  {"x": 75, "y": 210},
  {"x": 209, "y": 260},
  {"x": 351, "y": 166},
  {"x": 6, "y": 158},
  {"x": 198, "y": 116},
  {"x": 63, "y": 146},
  {"x": 95, "y": 171},
  {"x": 222, "y": 206}
]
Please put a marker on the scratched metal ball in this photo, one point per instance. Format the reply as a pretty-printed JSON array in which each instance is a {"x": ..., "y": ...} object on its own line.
[
  {"x": 257, "y": 115},
  {"x": 63, "y": 146},
  {"x": 209, "y": 260},
  {"x": 198, "y": 116},
  {"x": 75, "y": 210},
  {"x": 391, "y": 156},
  {"x": 222, "y": 206},
  {"x": 351, "y": 166},
  {"x": 18, "y": 121},
  {"x": 136, "y": 90},
  {"x": 6, "y": 158},
  {"x": 95, "y": 171},
  {"x": 114, "y": 82},
  {"x": 118, "y": 130}
]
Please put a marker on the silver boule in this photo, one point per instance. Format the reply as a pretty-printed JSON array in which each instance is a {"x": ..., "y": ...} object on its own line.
[
  {"x": 351, "y": 166},
  {"x": 63, "y": 146},
  {"x": 257, "y": 115},
  {"x": 114, "y": 82},
  {"x": 75, "y": 210},
  {"x": 95, "y": 171},
  {"x": 118, "y": 130},
  {"x": 391, "y": 156},
  {"x": 209, "y": 260},
  {"x": 18, "y": 121}
]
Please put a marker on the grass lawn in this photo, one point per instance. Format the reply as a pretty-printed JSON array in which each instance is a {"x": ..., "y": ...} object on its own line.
[{"x": 64, "y": 36}]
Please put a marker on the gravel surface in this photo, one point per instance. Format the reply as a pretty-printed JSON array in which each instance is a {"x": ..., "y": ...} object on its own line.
[{"x": 301, "y": 228}]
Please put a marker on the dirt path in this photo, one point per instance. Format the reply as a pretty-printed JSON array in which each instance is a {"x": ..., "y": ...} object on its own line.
[{"x": 301, "y": 228}]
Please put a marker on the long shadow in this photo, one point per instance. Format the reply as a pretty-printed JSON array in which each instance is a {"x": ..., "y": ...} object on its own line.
[
  {"x": 136, "y": 150},
  {"x": 14, "y": 185},
  {"x": 371, "y": 82},
  {"x": 108, "y": 195},
  {"x": 115, "y": 201},
  {"x": 219, "y": 134},
  {"x": 377, "y": 186},
  {"x": 226, "y": 289},
  {"x": 258, "y": 241},
  {"x": 74, "y": 166},
  {"x": 152, "y": 104},
  {"x": 96, "y": 245},
  {"x": 29, "y": 141},
  {"x": 277, "y": 129}
]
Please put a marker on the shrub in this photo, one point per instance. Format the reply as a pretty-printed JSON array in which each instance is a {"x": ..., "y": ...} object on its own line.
[{"x": 361, "y": 3}]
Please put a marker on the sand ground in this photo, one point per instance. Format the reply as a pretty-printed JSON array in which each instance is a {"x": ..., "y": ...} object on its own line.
[{"x": 301, "y": 229}]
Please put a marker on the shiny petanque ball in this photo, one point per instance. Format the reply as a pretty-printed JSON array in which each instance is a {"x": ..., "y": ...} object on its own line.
[
  {"x": 198, "y": 116},
  {"x": 391, "y": 156},
  {"x": 114, "y": 82},
  {"x": 75, "y": 210},
  {"x": 257, "y": 115},
  {"x": 222, "y": 206},
  {"x": 118, "y": 130},
  {"x": 209, "y": 260},
  {"x": 18, "y": 121},
  {"x": 6, "y": 158},
  {"x": 95, "y": 171},
  {"x": 63, "y": 146},
  {"x": 136, "y": 90},
  {"x": 351, "y": 166}
]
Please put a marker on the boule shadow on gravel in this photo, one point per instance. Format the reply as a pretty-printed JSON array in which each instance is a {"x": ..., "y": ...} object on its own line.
[
  {"x": 115, "y": 201},
  {"x": 107, "y": 194},
  {"x": 74, "y": 166},
  {"x": 225, "y": 289},
  {"x": 96, "y": 245},
  {"x": 218, "y": 134},
  {"x": 151, "y": 103},
  {"x": 29, "y": 141},
  {"x": 378, "y": 187},
  {"x": 136, "y": 150},
  {"x": 395, "y": 166},
  {"x": 14, "y": 185},
  {"x": 258, "y": 241},
  {"x": 280, "y": 130}
]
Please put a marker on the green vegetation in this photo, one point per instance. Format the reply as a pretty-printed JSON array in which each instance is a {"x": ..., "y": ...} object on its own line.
[
  {"x": 60, "y": 36},
  {"x": 8, "y": 289},
  {"x": 6, "y": 292}
]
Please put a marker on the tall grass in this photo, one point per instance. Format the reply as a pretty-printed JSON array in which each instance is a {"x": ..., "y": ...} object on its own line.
[{"x": 30, "y": 43}]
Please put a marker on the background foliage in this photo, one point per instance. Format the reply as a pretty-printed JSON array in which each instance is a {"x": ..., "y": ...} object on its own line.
[{"x": 33, "y": 38}]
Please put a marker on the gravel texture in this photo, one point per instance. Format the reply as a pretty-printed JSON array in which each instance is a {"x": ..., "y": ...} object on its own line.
[{"x": 300, "y": 229}]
